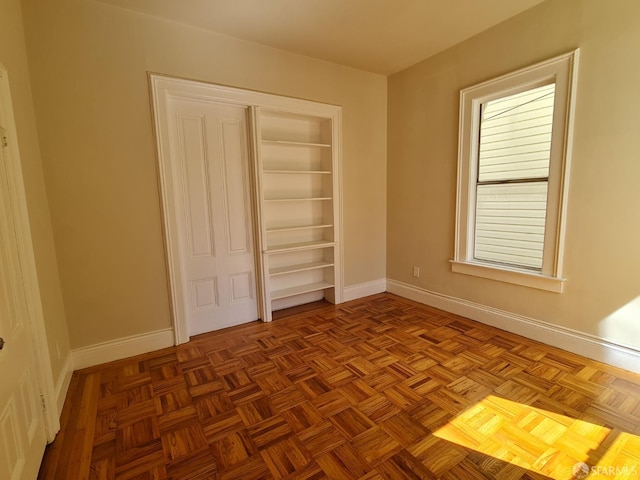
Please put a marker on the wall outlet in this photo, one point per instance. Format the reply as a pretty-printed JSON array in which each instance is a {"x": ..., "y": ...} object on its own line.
[{"x": 416, "y": 271}]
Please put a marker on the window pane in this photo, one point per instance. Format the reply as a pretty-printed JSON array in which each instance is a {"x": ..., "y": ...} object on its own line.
[
  {"x": 510, "y": 223},
  {"x": 515, "y": 135}
]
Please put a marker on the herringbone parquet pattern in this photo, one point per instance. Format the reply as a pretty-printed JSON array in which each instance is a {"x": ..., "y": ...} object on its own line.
[{"x": 381, "y": 388}]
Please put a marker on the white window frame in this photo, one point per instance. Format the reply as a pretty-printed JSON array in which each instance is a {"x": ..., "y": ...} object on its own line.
[{"x": 563, "y": 70}]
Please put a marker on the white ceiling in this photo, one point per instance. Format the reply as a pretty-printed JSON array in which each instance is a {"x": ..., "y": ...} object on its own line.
[{"x": 382, "y": 36}]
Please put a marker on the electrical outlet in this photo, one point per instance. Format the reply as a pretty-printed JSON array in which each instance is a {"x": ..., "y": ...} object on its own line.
[{"x": 416, "y": 271}]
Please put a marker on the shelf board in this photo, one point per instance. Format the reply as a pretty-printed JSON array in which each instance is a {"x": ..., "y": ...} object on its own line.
[
  {"x": 292, "y": 247},
  {"x": 321, "y": 172},
  {"x": 299, "y": 199},
  {"x": 302, "y": 267},
  {"x": 295, "y": 144},
  {"x": 297, "y": 290},
  {"x": 300, "y": 227}
]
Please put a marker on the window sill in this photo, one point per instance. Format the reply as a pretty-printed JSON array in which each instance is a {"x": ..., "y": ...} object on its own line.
[{"x": 507, "y": 275}]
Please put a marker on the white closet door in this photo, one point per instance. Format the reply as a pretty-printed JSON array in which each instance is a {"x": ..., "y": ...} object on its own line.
[
  {"x": 22, "y": 432},
  {"x": 210, "y": 170}
]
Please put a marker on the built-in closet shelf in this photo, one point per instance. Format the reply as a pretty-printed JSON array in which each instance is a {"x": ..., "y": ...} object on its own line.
[
  {"x": 299, "y": 172},
  {"x": 287, "y": 143},
  {"x": 297, "y": 167},
  {"x": 303, "y": 267},
  {"x": 295, "y": 247},
  {"x": 298, "y": 227},
  {"x": 299, "y": 199},
  {"x": 300, "y": 289}
]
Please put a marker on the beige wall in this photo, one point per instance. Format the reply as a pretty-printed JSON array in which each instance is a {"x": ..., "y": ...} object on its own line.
[
  {"x": 13, "y": 57},
  {"x": 602, "y": 253},
  {"x": 88, "y": 64}
]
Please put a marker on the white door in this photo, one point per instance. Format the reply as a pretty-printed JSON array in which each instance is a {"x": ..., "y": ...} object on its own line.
[
  {"x": 209, "y": 165},
  {"x": 22, "y": 430}
]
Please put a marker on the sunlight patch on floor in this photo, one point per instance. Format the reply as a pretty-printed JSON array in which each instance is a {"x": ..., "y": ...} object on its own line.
[{"x": 551, "y": 444}]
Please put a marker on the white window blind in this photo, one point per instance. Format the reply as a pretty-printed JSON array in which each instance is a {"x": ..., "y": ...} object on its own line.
[{"x": 513, "y": 171}]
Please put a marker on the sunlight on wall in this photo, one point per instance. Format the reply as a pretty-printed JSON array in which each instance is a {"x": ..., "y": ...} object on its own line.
[
  {"x": 623, "y": 325},
  {"x": 548, "y": 443}
]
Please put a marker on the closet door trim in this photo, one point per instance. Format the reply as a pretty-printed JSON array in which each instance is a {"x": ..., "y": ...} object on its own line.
[{"x": 162, "y": 88}]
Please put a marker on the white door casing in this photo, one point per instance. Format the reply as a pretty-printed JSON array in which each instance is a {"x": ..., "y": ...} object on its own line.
[
  {"x": 164, "y": 90},
  {"x": 209, "y": 169},
  {"x": 23, "y": 430}
]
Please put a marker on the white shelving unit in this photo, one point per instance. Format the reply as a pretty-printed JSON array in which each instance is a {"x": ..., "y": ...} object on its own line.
[{"x": 298, "y": 187}]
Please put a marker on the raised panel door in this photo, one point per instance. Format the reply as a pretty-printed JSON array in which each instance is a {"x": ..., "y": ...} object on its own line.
[
  {"x": 210, "y": 169},
  {"x": 22, "y": 431}
]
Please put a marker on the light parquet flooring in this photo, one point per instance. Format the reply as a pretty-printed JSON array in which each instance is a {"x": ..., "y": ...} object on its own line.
[{"x": 378, "y": 388}]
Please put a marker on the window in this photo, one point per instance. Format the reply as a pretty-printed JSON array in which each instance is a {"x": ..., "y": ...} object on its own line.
[
  {"x": 513, "y": 176},
  {"x": 513, "y": 165}
]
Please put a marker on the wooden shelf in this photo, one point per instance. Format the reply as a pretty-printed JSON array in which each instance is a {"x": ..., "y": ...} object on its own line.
[
  {"x": 300, "y": 227},
  {"x": 295, "y": 144},
  {"x": 298, "y": 199},
  {"x": 297, "y": 172},
  {"x": 302, "y": 267},
  {"x": 293, "y": 247},
  {"x": 300, "y": 289}
]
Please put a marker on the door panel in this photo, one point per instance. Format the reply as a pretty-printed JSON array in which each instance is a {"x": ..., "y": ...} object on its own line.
[
  {"x": 22, "y": 432},
  {"x": 210, "y": 176},
  {"x": 196, "y": 187},
  {"x": 235, "y": 186}
]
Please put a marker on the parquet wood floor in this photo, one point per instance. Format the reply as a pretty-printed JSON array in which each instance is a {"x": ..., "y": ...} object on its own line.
[{"x": 379, "y": 388}]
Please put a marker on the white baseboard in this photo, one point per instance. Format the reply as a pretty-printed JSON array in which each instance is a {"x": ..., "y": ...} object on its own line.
[
  {"x": 63, "y": 382},
  {"x": 589, "y": 346},
  {"x": 360, "y": 290},
  {"x": 122, "y": 348}
]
